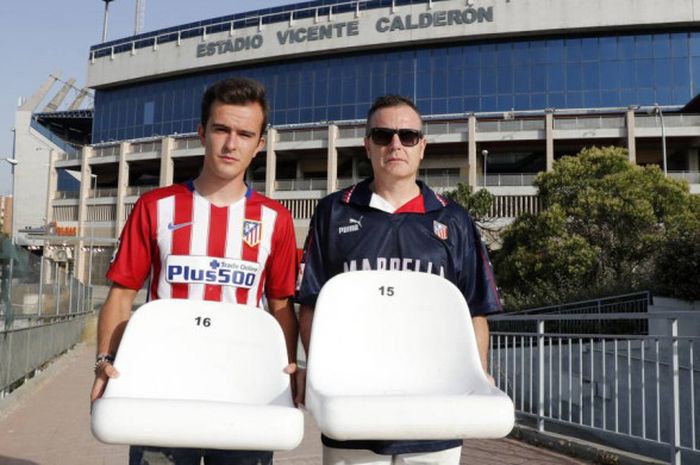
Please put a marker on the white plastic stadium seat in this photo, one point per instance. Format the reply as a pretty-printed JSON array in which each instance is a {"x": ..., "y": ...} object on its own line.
[
  {"x": 200, "y": 374},
  {"x": 394, "y": 356}
]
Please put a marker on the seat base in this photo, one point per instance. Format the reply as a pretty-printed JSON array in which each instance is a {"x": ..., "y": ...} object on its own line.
[
  {"x": 415, "y": 417},
  {"x": 192, "y": 423}
]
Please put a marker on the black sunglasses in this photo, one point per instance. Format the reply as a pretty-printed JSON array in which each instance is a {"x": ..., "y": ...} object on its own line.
[{"x": 383, "y": 136}]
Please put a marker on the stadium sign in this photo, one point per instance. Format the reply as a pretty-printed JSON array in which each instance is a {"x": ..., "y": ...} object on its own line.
[{"x": 382, "y": 25}]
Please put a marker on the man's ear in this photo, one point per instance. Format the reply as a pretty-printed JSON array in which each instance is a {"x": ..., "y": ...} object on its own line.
[
  {"x": 201, "y": 133},
  {"x": 261, "y": 145}
]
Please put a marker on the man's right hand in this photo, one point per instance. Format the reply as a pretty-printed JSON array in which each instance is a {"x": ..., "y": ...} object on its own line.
[{"x": 103, "y": 373}]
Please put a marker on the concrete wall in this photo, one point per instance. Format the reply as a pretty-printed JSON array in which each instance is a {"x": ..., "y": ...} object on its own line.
[{"x": 379, "y": 28}]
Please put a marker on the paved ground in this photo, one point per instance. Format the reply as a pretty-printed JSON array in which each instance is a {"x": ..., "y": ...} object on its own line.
[{"x": 46, "y": 422}]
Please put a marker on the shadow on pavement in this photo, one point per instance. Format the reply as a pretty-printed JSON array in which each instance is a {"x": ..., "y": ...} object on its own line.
[{"x": 13, "y": 461}]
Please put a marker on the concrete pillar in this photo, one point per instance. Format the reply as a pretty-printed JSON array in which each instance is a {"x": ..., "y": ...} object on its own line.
[
  {"x": 355, "y": 174},
  {"x": 85, "y": 186},
  {"x": 271, "y": 162},
  {"x": 51, "y": 184},
  {"x": 332, "y": 176},
  {"x": 122, "y": 185},
  {"x": 166, "y": 161},
  {"x": 631, "y": 137},
  {"x": 549, "y": 138},
  {"x": 471, "y": 149}
]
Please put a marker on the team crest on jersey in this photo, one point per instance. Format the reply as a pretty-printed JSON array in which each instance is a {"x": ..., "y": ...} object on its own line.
[
  {"x": 440, "y": 230},
  {"x": 252, "y": 232}
]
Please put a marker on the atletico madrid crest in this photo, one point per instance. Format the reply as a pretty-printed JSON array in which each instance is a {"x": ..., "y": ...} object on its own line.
[
  {"x": 440, "y": 230},
  {"x": 252, "y": 232}
]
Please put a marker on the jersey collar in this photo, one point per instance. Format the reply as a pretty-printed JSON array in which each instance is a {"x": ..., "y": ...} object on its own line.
[
  {"x": 190, "y": 187},
  {"x": 360, "y": 194}
]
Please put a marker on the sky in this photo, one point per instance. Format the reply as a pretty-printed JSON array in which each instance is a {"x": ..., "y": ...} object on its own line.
[{"x": 41, "y": 37}]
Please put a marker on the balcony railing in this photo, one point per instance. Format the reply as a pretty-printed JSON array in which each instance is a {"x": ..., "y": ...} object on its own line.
[
  {"x": 508, "y": 179},
  {"x": 693, "y": 177},
  {"x": 300, "y": 184}
]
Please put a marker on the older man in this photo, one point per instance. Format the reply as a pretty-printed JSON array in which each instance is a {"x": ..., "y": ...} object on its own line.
[{"x": 393, "y": 221}]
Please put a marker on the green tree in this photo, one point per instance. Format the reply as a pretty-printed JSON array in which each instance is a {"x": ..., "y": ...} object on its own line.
[{"x": 602, "y": 228}]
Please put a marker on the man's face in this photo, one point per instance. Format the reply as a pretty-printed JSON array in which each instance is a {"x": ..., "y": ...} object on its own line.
[
  {"x": 395, "y": 161},
  {"x": 231, "y": 139}
]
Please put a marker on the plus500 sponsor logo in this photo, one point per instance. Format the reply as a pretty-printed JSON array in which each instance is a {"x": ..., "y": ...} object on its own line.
[{"x": 210, "y": 270}]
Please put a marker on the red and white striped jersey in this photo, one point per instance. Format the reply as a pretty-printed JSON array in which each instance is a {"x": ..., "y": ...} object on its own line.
[{"x": 195, "y": 250}]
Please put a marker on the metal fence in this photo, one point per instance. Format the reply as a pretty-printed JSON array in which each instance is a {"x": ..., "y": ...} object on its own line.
[
  {"x": 634, "y": 392},
  {"x": 25, "y": 350}
]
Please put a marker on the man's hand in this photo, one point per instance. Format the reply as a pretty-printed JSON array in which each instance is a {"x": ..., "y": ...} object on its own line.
[
  {"x": 103, "y": 373},
  {"x": 297, "y": 382}
]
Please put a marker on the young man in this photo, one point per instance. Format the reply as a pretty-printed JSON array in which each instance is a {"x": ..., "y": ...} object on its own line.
[
  {"x": 399, "y": 224},
  {"x": 213, "y": 218}
]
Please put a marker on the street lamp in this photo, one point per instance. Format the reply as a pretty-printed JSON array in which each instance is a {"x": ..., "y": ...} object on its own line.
[
  {"x": 13, "y": 162},
  {"x": 656, "y": 111},
  {"x": 92, "y": 238},
  {"x": 485, "y": 154},
  {"x": 104, "y": 23}
]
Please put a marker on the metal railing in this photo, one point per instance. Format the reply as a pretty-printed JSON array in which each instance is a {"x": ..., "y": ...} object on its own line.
[
  {"x": 634, "y": 392},
  {"x": 693, "y": 177},
  {"x": 26, "y": 349},
  {"x": 234, "y": 22},
  {"x": 508, "y": 179},
  {"x": 300, "y": 184}
]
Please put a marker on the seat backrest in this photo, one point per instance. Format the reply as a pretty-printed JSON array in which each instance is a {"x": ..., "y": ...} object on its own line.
[
  {"x": 392, "y": 332},
  {"x": 198, "y": 350}
]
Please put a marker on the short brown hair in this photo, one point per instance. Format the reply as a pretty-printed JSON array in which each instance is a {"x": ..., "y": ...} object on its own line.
[
  {"x": 391, "y": 100},
  {"x": 234, "y": 91}
]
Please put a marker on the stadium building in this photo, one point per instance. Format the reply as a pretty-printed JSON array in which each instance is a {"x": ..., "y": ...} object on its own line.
[{"x": 506, "y": 88}]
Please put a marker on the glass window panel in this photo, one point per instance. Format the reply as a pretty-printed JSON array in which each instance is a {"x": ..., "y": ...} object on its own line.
[
  {"x": 680, "y": 70},
  {"x": 662, "y": 73},
  {"x": 522, "y": 79},
  {"x": 440, "y": 62},
  {"x": 574, "y": 99},
  {"x": 591, "y": 99},
  {"x": 555, "y": 78},
  {"x": 573, "y": 77},
  {"x": 555, "y": 51},
  {"x": 505, "y": 54},
  {"x": 347, "y": 112},
  {"x": 505, "y": 102},
  {"x": 489, "y": 78},
  {"x": 472, "y": 56},
  {"x": 628, "y": 74},
  {"x": 521, "y": 102},
  {"x": 696, "y": 77},
  {"x": 644, "y": 71},
  {"x": 454, "y": 82},
  {"x": 455, "y": 105},
  {"x": 591, "y": 78},
  {"x": 556, "y": 100},
  {"x": 610, "y": 75},
  {"x": 471, "y": 104},
  {"x": 521, "y": 54},
  {"x": 489, "y": 103},
  {"x": 538, "y": 52},
  {"x": 471, "y": 82},
  {"x": 538, "y": 101},
  {"x": 573, "y": 50},
  {"x": 642, "y": 47},
  {"x": 440, "y": 83},
  {"x": 538, "y": 78},
  {"x": 608, "y": 48},
  {"x": 679, "y": 44},
  {"x": 628, "y": 97},
  {"x": 695, "y": 44},
  {"x": 349, "y": 94},
  {"x": 423, "y": 105},
  {"x": 661, "y": 46},
  {"x": 379, "y": 85},
  {"x": 505, "y": 80},
  {"x": 488, "y": 55},
  {"x": 455, "y": 57},
  {"x": 334, "y": 113},
  {"x": 423, "y": 84},
  {"x": 646, "y": 96},
  {"x": 664, "y": 95},
  {"x": 625, "y": 47},
  {"x": 406, "y": 84},
  {"x": 681, "y": 95},
  {"x": 589, "y": 49},
  {"x": 320, "y": 113},
  {"x": 439, "y": 106},
  {"x": 609, "y": 98}
]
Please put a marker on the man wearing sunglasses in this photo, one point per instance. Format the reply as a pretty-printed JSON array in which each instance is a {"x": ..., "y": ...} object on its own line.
[{"x": 393, "y": 221}]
